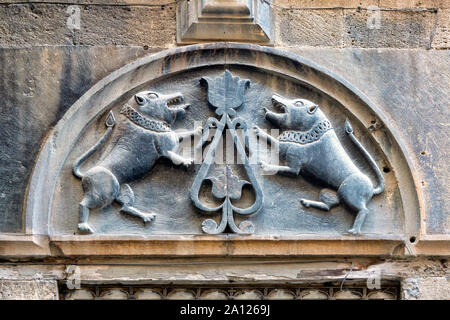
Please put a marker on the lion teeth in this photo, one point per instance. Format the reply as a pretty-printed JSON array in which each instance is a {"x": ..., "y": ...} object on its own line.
[
  {"x": 278, "y": 104},
  {"x": 176, "y": 100}
]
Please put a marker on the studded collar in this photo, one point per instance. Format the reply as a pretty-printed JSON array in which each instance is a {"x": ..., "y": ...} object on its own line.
[
  {"x": 146, "y": 123},
  {"x": 305, "y": 137}
]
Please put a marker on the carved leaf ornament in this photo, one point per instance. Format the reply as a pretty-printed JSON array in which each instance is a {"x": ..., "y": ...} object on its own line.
[
  {"x": 226, "y": 94},
  {"x": 227, "y": 185}
]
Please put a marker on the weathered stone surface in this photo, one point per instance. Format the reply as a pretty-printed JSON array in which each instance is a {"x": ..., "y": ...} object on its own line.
[
  {"x": 314, "y": 295},
  {"x": 388, "y": 218},
  {"x": 429, "y": 288},
  {"x": 413, "y": 4},
  {"x": 28, "y": 290},
  {"x": 181, "y": 295},
  {"x": 349, "y": 28},
  {"x": 147, "y": 294},
  {"x": 397, "y": 4},
  {"x": 304, "y": 23},
  {"x": 155, "y": 3},
  {"x": 373, "y": 71},
  {"x": 114, "y": 294},
  {"x": 280, "y": 294},
  {"x": 356, "y": 290},
  {"x": 325, "y": 3},
  {"x": 309, "y": 27},
  {"x": 406, "y": 85},
  {"x": 441, "y": 39},
  {"x": 248, "y": 295},
  {"x": 396, "y": 29},
  {"x": 44, "y": 82},
  {"x": 208, "y": 21},
  {"x": 38, "y": 85},
  {"x": 226, "y": 270},
  {"x": 347, "y": 295},
  {"x": 79, "y": 294},
  {"x": 41, "y": 24}
]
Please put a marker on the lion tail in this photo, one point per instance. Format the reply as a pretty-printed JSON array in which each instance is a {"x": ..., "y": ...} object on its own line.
[
  {"x": 110, "y": 122},
  {"x": 349, "y": 130}
]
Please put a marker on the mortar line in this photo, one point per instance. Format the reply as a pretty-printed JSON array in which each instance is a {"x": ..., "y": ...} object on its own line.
[
  {"x": 178, "y": 1},
  {"x": 433, "y": 31},
  {"x": 170, "y": 264}
]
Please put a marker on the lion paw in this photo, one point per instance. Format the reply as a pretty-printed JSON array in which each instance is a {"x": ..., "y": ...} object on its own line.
[
  {"x": 353, "y": 231},
  {"x": 265, "y": 167},
  {"x": 187, "y": 162},
  {"x": 305, "y": 203},
  {"x": 198, "y": 130},
  {"x": 85, "y": 228},
  {"x": 147, "y": 218}
]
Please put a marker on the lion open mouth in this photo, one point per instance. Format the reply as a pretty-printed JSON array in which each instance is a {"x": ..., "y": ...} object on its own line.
[
  {"x": 277, "y": 103},
  {"x": 177, "y": 102}
]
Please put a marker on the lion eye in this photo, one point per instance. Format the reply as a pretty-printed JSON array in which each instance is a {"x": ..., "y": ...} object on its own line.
[
  {"x": 299, "y": 104},
  {"x": 152, "y": 95}
]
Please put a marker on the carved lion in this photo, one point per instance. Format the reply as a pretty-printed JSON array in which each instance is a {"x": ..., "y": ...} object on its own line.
[{"x": 145, "y": 136}]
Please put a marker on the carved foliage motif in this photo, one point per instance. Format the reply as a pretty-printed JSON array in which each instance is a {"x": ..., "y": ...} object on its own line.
[
  {"x": 226, "y": 93},
  {"x": 233, "y": 293}
]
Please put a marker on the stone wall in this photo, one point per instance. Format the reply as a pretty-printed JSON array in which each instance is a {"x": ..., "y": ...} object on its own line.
[
  {"x": 402, "y": 65},
  {"x": 335, "y": 24}
]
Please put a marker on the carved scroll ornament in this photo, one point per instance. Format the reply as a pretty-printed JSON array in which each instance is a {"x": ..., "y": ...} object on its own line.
[{"x": 226, "y": 94}]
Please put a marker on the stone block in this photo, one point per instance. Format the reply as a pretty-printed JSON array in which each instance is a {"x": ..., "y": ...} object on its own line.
[
  {"x": 430, "y": 288},
  {"x": 28, "y": 290},
  {"x": 414, "y": 4},
  {"x": 441, "y": 39},
  {"x": 98, "y": 2},
  {"x": 405, "y": 84},
  {"x": 394, "y": 30},
  {"x": 325, "y": 3},
  {"x": 309, "y": 27},
  {"x": 41, "y": 24},
  {"x": 54, "y": 79}
]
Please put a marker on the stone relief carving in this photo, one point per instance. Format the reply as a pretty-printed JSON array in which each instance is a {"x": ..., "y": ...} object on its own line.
[
  {"x": 54, "y": 194},
  {"x": 311, "y": 147},
  {"x": 226, "y": 94},
  {"x": 273, "y": 292},
  {"x": 230, "y": 20},
  {"x": 146, "y": 136}
]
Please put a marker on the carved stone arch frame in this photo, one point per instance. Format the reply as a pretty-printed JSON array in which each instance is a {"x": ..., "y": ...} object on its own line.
[{"x": 103, "y": 94}]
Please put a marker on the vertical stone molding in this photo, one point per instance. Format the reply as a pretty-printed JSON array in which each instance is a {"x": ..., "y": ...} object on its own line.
[{"x": 224, "y": 20}]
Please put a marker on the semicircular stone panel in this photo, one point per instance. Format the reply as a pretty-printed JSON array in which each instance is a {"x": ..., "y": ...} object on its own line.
[{"x": 223, "y": 139}]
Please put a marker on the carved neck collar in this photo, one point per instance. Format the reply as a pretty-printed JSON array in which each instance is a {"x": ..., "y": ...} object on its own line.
[
  {"x": 305, "y": 137},
  {"x": 146, "y": 123}
]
